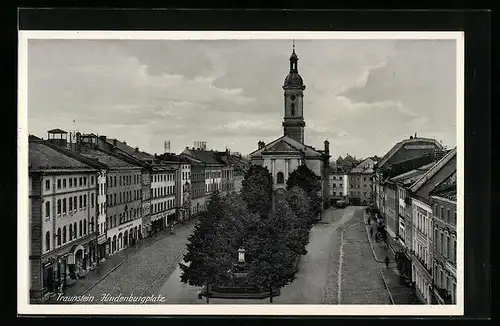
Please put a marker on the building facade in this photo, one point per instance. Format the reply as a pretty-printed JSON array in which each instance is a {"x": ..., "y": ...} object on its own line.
[
  {"x": 162, "y": 198},
  {"x": 283, "y": 155},
  {"x": 197, "y": 187},
  {"x": 63, "y": 219},
  {"x": 339, "y": 182},
  {"x": 444, "y": 272},
  {"x": 361, "y": 182}
]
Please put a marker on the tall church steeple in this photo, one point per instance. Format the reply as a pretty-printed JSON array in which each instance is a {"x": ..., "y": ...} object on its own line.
[{"x": 293, "y": 122}]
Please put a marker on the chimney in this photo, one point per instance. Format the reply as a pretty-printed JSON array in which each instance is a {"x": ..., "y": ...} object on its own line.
[
  {"x": 124, "y": 143},
  {"x": 156, "y": 156},
  {"x": 103, "y": 138},
  {"x": 115, "y": 141},
  {"x": 137, "y": 149}
]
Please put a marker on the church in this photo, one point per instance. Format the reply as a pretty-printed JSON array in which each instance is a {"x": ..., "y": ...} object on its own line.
[{"x": 283, "y": 155}]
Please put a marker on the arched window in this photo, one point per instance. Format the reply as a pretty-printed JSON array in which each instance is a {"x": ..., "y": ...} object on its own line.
[
  {"x": 293, "y": 109},
  {"x": 64, "y": 234},
  {"x": 47, "y": 241},
  {"x": 59, "y": 236},
  {"x": 280, "y": 178}
]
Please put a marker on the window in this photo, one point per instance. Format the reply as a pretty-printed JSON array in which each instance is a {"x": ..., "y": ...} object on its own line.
[
  {"x": 64, "y": 183},
  {"x": 120, "y": 181},
  {"x": 74, "y": 203},
  {"x": 81, "y": 201},
  {"x": 74, "y": 230},
  {"x": 64, "y": 206},
  {"x": 47, "y": 184},
  {"x": 58, "y": 207},
  {"x": 92, "y": 200},
  {"x": 84, "y": 181},
  {"x": 58, "y": 236},
  {"x": 80, "y": 181},
  {"x": 92, "y": 180},
  {"x": 80, "y": 226},
  {"x": 442, "y": 213},
  {"x": 70, "y": 232},
  {"x": 47, "y": 241},
  {"x": 85, "y": 227},
  {"x": 70, "y": 204},
  {"x": 47, "y": 209},
  {"x": 64, "y": 234},
  {"x": 70, "y": 182},
  {"x": 58, "y": 183},
  {"x": 454, "y": 258}
]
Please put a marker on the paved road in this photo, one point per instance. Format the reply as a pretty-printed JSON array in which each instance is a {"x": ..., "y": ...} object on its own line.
[
  {"x": 328, "y": 266},
  {"x": 144, "y": 272},
  {"x": 317, "y": 279}
]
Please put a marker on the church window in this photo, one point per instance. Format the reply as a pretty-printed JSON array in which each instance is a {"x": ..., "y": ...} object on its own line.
[
  {"x": 293, "y": 109},
  {"x": 280, "y": 178}
]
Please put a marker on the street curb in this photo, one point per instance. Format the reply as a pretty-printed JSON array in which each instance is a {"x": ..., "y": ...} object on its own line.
[
  {"x": 385, "y": 285},
  {"x": 127, "y": 258},
  {"x": 371, "y": 244}
]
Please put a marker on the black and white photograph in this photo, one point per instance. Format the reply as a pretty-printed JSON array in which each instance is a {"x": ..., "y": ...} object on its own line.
[{"x": 241, "y": 172}]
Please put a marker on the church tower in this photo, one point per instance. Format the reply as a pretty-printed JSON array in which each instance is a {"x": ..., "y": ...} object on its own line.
[{"x": 293, "y": 122}]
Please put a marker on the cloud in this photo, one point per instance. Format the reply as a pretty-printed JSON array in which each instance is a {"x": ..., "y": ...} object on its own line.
[{"x": 361, "y": 95}]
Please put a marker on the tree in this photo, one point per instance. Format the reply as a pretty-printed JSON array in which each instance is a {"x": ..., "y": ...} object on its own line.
[
  {"x": 273, "y": 263},
  {"x": 257, "y": 188},
  {"x": 304, "y": 178},
  {"x": 207, "y": 259},
  {"x": 300, "y": 204}
]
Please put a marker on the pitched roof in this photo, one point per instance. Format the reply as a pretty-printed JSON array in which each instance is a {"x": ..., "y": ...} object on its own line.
[
  {"x": 446, "y": 188},
  {"x": 57, "y": 131},
  {"x": 281, "y": 147},
  {"x": 207, "y": 157},
  {"x": 408, "y": 178},
  {"x": 432, "y": 171},
  {"x": 360, "y": 168},
  {"x": 110, "y": 160},
  {"x": 400, "y": 144},
  {"x": 292, "y": 143},
  {"x": 140, "y": 155},
  {"x": 44, "y": 157}
]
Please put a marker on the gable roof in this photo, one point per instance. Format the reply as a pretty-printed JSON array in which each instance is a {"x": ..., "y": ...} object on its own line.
[
  {"x": 400, "y": 144},
  {"x": 112, "y": 161},
  {"x": 288, "y": 143},
  {"x": 432, "y": 171},
  {"x": 360, "y": 168}
]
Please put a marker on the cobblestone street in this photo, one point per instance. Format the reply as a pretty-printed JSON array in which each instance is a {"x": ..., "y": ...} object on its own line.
[
  {"x": 340, "y": 256},
  {"x": 143, "y": 271}
]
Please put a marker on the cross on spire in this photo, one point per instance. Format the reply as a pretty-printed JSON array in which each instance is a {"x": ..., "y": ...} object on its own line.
[{"x": 293, "y": 45}]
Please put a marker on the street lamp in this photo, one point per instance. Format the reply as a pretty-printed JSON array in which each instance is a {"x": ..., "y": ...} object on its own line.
[{"x": 241, "y": 255}]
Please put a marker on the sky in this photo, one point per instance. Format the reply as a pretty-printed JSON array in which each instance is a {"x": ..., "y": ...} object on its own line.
[{"x": 363, "y": 96}]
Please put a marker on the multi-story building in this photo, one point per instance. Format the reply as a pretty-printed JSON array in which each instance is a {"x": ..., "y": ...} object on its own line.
[
  {"x": 162, "y": 197},
  {"x": 422, "y": 222},
  {"x": 239, "y": 166},
  {"x": 361, "y": 182},
  {"x": 123, "y": 196},
  {"x": 182, "y": 177},
  {"x": 444, "y": 271},
  {"x": 197, "y": 186},
  {"x": 339, "y": 181},
  {"x": 405, "y": 150},
  {"x": 63, "y": 217}
]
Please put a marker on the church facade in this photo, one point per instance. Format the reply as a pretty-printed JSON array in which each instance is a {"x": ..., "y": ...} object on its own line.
[{"x": 283, "y": 155}]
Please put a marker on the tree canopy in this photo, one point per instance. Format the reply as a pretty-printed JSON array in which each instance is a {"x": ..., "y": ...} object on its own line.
[
  {"x": 304, "y": 178},
  {"x": 257, "y": 188}
]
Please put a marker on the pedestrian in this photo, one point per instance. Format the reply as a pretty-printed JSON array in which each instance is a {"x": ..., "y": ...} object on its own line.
[{"x": 386, "y": 262}]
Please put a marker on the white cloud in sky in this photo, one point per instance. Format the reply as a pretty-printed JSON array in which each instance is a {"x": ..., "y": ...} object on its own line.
[{"x": 361, "y": 95}]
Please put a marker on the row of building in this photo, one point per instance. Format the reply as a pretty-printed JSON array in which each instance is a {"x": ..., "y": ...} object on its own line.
[
  {"x": 93, "y": 196},
  {"x": 415, "y": 195},
  {"x": 353, "y": 183}
]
